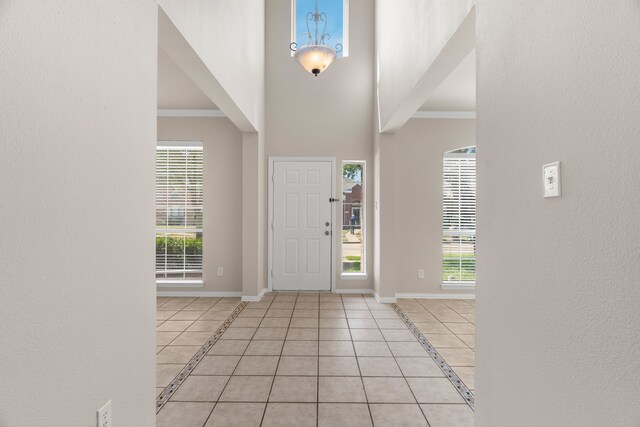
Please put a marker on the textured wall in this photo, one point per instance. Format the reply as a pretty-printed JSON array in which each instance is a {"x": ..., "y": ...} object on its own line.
[
  {"x": 557, "y": 298},
  {"x": 78, "y": 119}
]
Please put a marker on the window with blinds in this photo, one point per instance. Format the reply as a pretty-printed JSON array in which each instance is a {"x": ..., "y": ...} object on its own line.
[
  {"x": 459, "y": 217},
  {"x": 179, "y": 197}
]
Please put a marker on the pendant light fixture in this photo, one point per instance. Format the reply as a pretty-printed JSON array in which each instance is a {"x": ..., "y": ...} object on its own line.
[{"x": 315, "y": 56}]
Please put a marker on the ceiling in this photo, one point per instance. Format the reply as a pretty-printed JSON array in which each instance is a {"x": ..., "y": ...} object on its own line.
[
  {"x": 176, "y": 90},
  {"x": 458, "y": 91}
]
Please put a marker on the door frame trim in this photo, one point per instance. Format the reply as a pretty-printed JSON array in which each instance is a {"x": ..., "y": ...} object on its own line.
[{"x": 272, "y": 161}]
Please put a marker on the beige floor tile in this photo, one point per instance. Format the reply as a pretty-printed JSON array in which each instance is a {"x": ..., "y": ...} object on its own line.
[
  {"x": 469, "y": 340},
  {"x": 275, "y": 334},
  {"x": 205, "y": 326},
  {"x": 183, "y": 414},
  {"x": 215, "y": 315},
  {"x": 366, "y": 335},
  {"x": 343, "y": 414},
  {"x": 457, "y": 356},
  {"x": 384, "y": 315},
  {"x": 434, "y": 390},
  {"x": 449, "y": 317},
  {"x": 165, "y": 372},
  {"x": 467, "y": 375},
  {"x": 253, "y": 312},
  {"x": 334, "y": 323},
  {"x": 260, "y": 304},
  {"x": 275, "y": 322},
  {"x": 159, "y": 348},
  {"x": 371, "y": 349},
  {"x": 229, "y": 347},
  {"x": 165, "y": 314},
  {"x": 279, "y": 312},
  {"x": 177, "y": 354},
  {"x": 159, "y": 390},
  {"x": 236, "y": 415},
  {"x": 188, "y": 315},
  {"x": 448, "y": 415},
  {"x": 379, "y": 367},
  {"x": 298, "y": 365},
  {"x": 283, "y": 305},
  {"x": 192, "y": 338},
  {"x": 331, "y": 306},
  {"x": 307, "y": 306},
  {"x": 302, "y": 334},
  {"x": 432, "y": 328},
  {"x": 335, "y": 335},
  {"x": 362, "y": 324},
  {"x": 294, "y": 389},
  {"x": 300, "y": 348},
  {"x": 470, "y": 317},
  {"x": 290, "y": 415},
  {"x": 341, "y": 389},
  {"x": 387, "y": 390},
  {"x": 445, "y": 341},
  {"x": 358, "y": 314},
  {"x": 164, "y": 338},
  {"x": 176, "y": 306},
  {"x": 391, "y": 324},
  {"x": 336, "y": 348},
  {"x": 257, "y": 365},
  {"x": 264, "y": 348},
  {"x": 246, "y": 322},
  {"x": 333, "y": 314},
  {"x": 419, "y": 367},
  {"x": 247, "y": 389},
  {"x": 356, "y": 306},
  {"x": 461, "y": 328},
  {"x": 303, "y": 322},
  {"x": 422, "y": 317},
  {"x": 216, "y": 365},
  {"x": 299, "y": 312},
  {"x": 338, "y": 366},
  {"x": 239, "y": 333},
  {"x": 397, "y": 415},
  {"x": 398, "y": 335},
  {"x": 174, "y": 326},
  {"x": 200, "y": 389},
  {"x": 407, "y": 349}
]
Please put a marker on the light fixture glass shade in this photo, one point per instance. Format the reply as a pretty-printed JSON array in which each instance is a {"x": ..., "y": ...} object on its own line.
[{"x": 315, "y": 58}]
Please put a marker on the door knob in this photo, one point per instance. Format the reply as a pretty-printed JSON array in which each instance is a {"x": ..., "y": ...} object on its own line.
[{"x": 326, "y": 233}]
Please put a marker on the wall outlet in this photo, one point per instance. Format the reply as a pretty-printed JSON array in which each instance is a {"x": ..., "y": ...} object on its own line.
[
  {"x": 420, "y": 274},
  {"x": 104, "y": 415},
  {"x": 220, "y": 271}
]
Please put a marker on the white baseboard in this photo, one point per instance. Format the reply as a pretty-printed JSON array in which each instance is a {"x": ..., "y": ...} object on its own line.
[
  {"x": 384, "y": 300},
  {"x": 187, "y": 293},
  {"x": 354, "y": 291},
  {"x": 257, "y": 298},
  {"x": 437, "y": 296}
]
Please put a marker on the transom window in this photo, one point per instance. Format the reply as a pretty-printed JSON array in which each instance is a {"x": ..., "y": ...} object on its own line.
[
  {"x": 337, "y": 23},
  {"x": 353, "y": 217},
  {"x": 179, "y": 197},
  {"x": 459, "y": 217}
]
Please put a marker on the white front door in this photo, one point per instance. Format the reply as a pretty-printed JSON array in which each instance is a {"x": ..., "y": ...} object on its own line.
[{"x": 301, "y": 225}]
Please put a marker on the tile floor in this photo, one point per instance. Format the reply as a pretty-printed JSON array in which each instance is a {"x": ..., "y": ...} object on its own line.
[{"x": 308, "y": 359}]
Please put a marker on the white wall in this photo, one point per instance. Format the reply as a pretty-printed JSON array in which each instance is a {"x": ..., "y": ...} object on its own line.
[
  {"x": 557, "y": 298},
  {"x": 418, "y": 43},
  {"x": 228, "y": 36},
  {"x": 326, "y": 116},
  {"x": 222, "y": 222},
  {"x": 419, "y": 147},
  {"x": 78, "y": 107}
]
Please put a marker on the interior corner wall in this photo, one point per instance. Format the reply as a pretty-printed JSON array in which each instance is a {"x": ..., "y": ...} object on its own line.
[
  {"x": 557, "y": 298},
  {"x": 419, "y": 149},
  {"x": 222, "y": 222},
  {"x": 78, "y": 115},
  {"x": 326, "y": 116}
]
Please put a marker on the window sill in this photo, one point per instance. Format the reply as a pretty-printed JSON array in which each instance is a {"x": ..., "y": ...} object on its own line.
[
  {"x": 354, "y": 276},
  {"x": 461, "y": 286},
  {"x": 178, "y": 283}
]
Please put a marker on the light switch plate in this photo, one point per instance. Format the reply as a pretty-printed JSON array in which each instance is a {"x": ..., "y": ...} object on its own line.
[{"x": 551, "y": 176}]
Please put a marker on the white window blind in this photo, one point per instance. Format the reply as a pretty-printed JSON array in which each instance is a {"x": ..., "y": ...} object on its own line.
[
  {"x": 179, "y": 200},
  {"x": 459, "y": 217}
]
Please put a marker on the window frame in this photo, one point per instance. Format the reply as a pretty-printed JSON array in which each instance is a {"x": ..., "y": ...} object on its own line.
[
  {"x": 361, "y": 275},
  {"x": 197, "y": 282},
  {"x": 460, "y": 231},
  {"x": 345, "y": 28}
]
